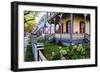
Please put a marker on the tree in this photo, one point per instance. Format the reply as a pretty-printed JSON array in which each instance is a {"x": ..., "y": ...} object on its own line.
[{"x": 29, "y": 20}]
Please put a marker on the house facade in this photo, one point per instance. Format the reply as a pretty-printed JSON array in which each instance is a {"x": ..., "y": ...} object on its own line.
[
  {"x": 80, "y": 22},
  {"x": 69, "y": 27}
]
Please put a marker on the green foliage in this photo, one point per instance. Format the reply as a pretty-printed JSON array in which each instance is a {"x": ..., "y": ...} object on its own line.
[
  {"x": 28, "y": 54},
  {"x": 48, "y": 49},
  {"x": 77, "y": 52},
  {"x": 29, "y": 20},
  {"x": 54, "y": 51},
  {"x": 41, "y": 40},
  {"x": 28, "y": 26}
]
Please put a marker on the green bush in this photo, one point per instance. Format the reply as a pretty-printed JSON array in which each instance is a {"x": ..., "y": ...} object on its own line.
[
  {"x": 54, "y": 51},
  {"x": 28, "y": 53},
  {"x": 40, "y": 40},
  {"x": 77, "y": 52},
  {"x": 48, "y": 49}
]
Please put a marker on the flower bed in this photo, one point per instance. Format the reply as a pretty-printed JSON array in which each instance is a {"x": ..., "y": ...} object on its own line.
[{"x": 58, "y": 51}]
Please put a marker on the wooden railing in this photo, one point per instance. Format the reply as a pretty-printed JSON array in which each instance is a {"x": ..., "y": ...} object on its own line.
[{"x": 41, "y": 56}]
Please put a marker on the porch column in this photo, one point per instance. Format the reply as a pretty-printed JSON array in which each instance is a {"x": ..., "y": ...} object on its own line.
[
  {"x": 71, "y": 28},
  {"x": 54, "y": 25},
  {"x": 46, "y": 20},
  {"x": 85, "y": 23},
  {"x": 50, "y": 28},
  {"x": 60, "y": 27}
]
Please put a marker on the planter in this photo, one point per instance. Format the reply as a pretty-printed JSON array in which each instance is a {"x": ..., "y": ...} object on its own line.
[
  {"x": 55, "y": 52},
  {"x": 41, "y": 56}
]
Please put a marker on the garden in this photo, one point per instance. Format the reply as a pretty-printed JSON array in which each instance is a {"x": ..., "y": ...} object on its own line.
[{"x": 58, "y": 51}]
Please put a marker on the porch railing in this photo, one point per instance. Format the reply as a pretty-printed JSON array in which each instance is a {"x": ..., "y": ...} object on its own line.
[
  {"x": 67, "y": 36},
  {"x": 87, "y": 36}
]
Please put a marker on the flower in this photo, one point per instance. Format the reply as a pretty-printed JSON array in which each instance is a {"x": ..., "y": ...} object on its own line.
[
  {"x": 60, "y": 47},
  {"x": 53, "y": 53},
  {"x": 83, "y": 50},
  {"x": 63, "y": 58},
  {"x": 79, "y": 47},
  {"x": 74, "y": 47},
  {"x": 51, "y": 58},
  {"x": 63, "y": 52}
]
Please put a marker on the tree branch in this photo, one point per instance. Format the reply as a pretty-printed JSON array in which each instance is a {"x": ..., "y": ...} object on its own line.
[
  {"x": 27, "y": 13},
  {"x": 27, "y": 20}
]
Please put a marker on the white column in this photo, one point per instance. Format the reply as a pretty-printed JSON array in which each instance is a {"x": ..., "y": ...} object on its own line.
[
  {"x": 61, "y": 27},
  {"x": 71, "y": 28},
  {"x": 85, "y": 23}
]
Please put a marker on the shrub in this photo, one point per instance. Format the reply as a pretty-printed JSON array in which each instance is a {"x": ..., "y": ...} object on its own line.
[
  {"x": 53, "y": 51},
  {"x": 28, "y": 54}
]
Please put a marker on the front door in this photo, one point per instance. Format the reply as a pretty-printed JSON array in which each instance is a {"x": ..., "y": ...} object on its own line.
[
  {"x": 82, "y": 27},
  {"x": 68, "y": 26}
]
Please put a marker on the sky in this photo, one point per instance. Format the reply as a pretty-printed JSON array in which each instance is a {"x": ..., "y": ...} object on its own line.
[
  {"x": 38, "y": 20},
  {"x": 39, "y": 17}
]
